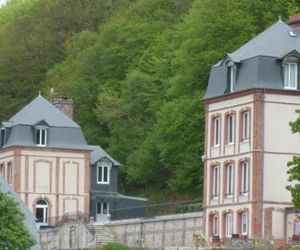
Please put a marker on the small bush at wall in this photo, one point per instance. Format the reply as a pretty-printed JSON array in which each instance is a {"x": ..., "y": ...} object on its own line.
[{"x": 117, "y": 246}]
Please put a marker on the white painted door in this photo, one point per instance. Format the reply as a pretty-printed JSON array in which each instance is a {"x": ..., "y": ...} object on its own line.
[{"x": 103, "y": 211}]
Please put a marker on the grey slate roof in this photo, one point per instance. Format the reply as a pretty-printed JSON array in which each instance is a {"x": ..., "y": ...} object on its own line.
[
  {"x": 40, "y": 109},
  {"x": 29, "y": 218},
  {"x": 98, "y": 153},
  {"x": 258, "y": 62},
  {"x": 62, "y": 132}
]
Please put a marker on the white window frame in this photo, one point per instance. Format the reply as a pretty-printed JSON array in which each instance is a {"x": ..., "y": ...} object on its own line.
[
  {"x": 228, "y": 225},
  {"x": 231, "y": 78},
  {"x": 215, "y": 225},
  {"x": 230, "y": 129},
  {"x": 246, "y": 126},
  {"x": 44, "y": 207},
  {"x": 2, "y": 136},
  {"x": 229, "y": 180},
  {"x": 102, "y": 208},
  {"x": 245, "y": 178},
  {"x": 101, "y": 166},
  {"x": 287, "y": 75},
  {"x": 40, "y": 140},
  {"x": 217, "y": 131},
  {"x": 216, "y": 180},
  {"x": 244, "y": 223}
]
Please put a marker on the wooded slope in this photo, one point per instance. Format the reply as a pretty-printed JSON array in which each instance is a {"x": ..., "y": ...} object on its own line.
[{"x": 136, "y": 70}]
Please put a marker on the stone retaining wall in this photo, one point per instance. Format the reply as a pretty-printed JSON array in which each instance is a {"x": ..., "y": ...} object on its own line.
[{"x": 161, "y": 232}]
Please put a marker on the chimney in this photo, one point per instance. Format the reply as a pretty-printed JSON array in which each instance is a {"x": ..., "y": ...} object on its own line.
[
  {"x": 294, "y": 21},
  {"x": 64, "y": 104}
]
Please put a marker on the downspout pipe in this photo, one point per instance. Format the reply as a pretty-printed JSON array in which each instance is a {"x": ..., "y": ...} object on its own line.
[{"x": 262, "y": 165}]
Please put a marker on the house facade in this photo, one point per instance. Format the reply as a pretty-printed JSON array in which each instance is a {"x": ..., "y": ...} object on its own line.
[
  {"x": 251, "y": 97},
  {"x": 47, "y": 161},
  {"x": 106, "y": 202},
  {"x": 45, "y": 158}
]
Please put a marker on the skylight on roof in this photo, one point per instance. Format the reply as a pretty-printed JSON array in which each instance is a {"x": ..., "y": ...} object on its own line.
[{"x": 292, "y": 34}]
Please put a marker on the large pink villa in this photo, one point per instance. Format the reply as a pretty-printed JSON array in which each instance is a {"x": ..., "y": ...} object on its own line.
[{"x": 251, "y": 97}]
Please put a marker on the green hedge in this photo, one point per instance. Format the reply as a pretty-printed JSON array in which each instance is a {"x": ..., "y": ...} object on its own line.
[{"x": 117, "y": 246}]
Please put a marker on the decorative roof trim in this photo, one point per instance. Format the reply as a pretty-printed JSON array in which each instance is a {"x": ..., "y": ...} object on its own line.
[
  {"x": 294, "y": 53},
  {"x": 230, "y": 57}
]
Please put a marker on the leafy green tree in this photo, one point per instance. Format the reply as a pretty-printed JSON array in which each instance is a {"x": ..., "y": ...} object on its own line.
[
  {"x": 294, "y": 169},
  {"x": 13, "y": 232},
  {"x": 32, "y": 40}
]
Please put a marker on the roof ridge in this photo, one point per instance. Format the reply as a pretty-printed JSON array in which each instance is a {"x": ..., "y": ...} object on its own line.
[{"x": 41, "y": 109}]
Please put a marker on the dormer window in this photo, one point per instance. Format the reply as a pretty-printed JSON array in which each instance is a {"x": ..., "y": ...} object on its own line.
[
  {"x": 2, "y": 137},
  {"x": 231, "y": 78},
  {"x": 290, "y": 75},
  {"x": 103, "y": 172},
  {"x": 41, "y": 137}
]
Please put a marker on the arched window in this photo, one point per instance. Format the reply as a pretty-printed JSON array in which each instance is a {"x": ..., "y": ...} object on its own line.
[{"x": 41, "y": 212}]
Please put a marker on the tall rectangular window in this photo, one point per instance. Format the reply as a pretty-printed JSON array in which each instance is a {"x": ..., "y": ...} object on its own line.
[
  {"x": 216, "y": 178},
  {"x": 245, "y": 126},
  {"x": 244, "y": 181},
  {"x": 2, "y": 137},
  {"x": 2, "y": 170},
  {"x": 230, "y": 127},
  {"x": 217, "y": 131},
  {"x": 9, "y": 173},
  {"x": 103, "y": 174},
  {"x": 244, "y": 221},
  {"x": 41, "y": 137},
  {"x": 290, "y": 75},
  {"x": 231, "y": 77},
  {"x": 215, "y": 225},
  {"x": 228, "y": 225},
  {"x": 229, "y": 181}
]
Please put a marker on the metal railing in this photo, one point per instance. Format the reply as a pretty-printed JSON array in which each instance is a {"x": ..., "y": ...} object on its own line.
[
  {"x": 159, "y": 209},
  {"x": 66, "y": 218}
]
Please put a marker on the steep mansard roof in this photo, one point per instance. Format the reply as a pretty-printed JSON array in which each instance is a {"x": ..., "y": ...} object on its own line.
[
  {"x": 258, "y": 62},
  {"x": 62, "y": 131},
  {"x": 40, "y": 109},
  {"x": 98, "y": 154},
  {"x": 29, "y": 218}
]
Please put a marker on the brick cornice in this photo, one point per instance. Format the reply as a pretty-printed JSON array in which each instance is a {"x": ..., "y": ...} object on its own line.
[{"x": 249, "y": 92}]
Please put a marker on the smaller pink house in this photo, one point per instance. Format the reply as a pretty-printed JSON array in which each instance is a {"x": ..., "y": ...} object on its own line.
[{"x": 46, "y": 160}]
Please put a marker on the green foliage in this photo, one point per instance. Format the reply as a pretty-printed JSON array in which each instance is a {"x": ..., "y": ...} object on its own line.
[
  {"x": 117, "y": 246},
  {"x": 13, "y": 232},
  {"x": 294, "y": 169},
  {"x": 137, "y": 71}
]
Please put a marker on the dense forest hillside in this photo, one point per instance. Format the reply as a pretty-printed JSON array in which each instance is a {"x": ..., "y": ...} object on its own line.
[{"x": 136, "y": 70}]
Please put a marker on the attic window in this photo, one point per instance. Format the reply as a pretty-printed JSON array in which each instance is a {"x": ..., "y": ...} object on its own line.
[
  {"x": 231, "y": 78},
  {"x": 2, "y": 137},
  {"x": 103, "y": 173},
  {"x": 231, "y": 71},
  {"x": 290, "y": 75},
  {"x": 41, "y": 137}
]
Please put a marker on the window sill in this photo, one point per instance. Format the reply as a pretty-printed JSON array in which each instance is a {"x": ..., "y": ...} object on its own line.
[
  {"x": 290, "y": 88},
  {"x": 245, "y": 140},
  {"x": 40, "y": 145},
  {"x": 244, "y": 194},
  {"x": 103, "y": 183}
]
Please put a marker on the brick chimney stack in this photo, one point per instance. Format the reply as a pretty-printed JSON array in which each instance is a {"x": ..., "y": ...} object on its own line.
[
  {"x": 65, "y": 105},
  {"x": 294, "y": 21}
]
